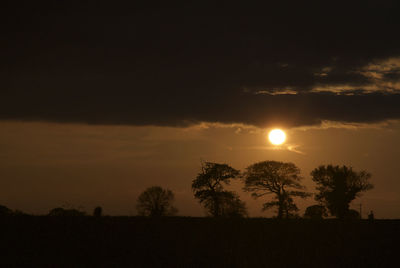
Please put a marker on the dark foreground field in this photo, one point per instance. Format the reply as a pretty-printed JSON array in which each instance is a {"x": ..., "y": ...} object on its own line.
[{"x": 196, "y": 242}]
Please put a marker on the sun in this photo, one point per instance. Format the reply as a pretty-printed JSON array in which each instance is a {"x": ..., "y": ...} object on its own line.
[{"x": 277, "y": 136}]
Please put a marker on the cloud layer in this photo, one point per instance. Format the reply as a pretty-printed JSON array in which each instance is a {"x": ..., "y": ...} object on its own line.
[{"x": 177, "y": 65}]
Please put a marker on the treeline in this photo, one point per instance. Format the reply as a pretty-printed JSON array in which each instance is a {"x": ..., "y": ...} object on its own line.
[
  {"x": 276, "y": 182},
  {"x": 336, "y": 187},
  {"x": 59, "y": 211}
]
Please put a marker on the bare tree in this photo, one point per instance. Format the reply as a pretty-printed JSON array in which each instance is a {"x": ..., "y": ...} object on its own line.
[
  {"x": 277, "y": 178},
  {"x": 155, "y": 202}
]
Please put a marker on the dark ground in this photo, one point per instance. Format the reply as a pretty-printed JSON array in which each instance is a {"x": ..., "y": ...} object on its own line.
[{"x": 39, "y": 241}]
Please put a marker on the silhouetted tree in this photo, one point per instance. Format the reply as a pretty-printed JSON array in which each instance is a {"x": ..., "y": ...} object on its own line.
[
  {"x": 277, "y": 178},
  {"x": 338, "y": 186},
  {"x": 315, "y": 212},
  {"x": 155, "y": 202},
  {"x": 208, "y": 188},
  {"x": 97, "y": 212},
  {"x": 62, "y": 212}
]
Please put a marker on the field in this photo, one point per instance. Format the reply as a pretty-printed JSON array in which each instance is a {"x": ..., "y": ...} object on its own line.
[{"x": 39, "y": 241}]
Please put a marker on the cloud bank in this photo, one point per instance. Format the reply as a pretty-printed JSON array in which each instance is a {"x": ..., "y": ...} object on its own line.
[{"x": 178, "y": 65}]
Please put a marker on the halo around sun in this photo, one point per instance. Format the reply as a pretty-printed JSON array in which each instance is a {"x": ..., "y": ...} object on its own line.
[{"x": 277, "y": 136}]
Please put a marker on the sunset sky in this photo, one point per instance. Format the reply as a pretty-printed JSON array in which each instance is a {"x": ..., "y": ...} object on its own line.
[{"x": 99, "y": 102}]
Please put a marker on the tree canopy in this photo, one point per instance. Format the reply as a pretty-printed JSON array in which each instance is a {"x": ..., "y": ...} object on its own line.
[
  {"x": 338, "y": 186},
  {"x": 208, "y": 187},
  {"x": 155, "y": 202},
  {"x": 277, "y": 178}
]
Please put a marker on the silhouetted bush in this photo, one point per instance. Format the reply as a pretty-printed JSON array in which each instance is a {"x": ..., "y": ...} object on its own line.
[
  {"x": 315, "y": 212},
  {"x": 66, "y": 212},
  {"x": 353, "y": 214},
  {"x": 97, "y": 212},
  {"x": 18, "y": 212}
]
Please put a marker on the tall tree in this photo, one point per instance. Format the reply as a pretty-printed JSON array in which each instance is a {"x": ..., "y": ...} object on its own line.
[
  {"x": 208, "y": 187},
  {"x": 277, "y": 178},
  {"x": 338, "y": 186},
  {"x": 156, "y": 202}
]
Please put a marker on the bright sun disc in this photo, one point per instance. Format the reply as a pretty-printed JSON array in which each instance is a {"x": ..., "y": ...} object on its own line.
[{"x": 277, "y": 136}]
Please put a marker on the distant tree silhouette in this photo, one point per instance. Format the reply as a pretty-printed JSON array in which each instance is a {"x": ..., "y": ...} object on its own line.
[
  {"x": 277, "y": 178},
  {"x": 97, "y": 212},
  {"x": 62, "y": 212},
  {"x": 18, "y": 212},
  {"x": 315, "y": 212},
  {"x": 5, "y": 211},
  {"x": 338, "y": 186},
  {"x": 156, "y": 202},
  {"x": 209, "y": 189}
]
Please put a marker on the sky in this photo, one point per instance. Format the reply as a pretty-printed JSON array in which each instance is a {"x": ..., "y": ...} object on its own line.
[{"x": 99, "y": 102}]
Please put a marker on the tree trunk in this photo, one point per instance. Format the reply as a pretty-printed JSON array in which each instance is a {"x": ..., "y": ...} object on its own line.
[
  {"x": 343, "y": 211},
  {"x": 216, "y": 207},
  {"x": 281, "y": 204}
]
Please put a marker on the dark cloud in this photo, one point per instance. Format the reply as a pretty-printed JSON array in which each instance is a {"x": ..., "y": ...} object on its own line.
[
  {"x": 392, "y": 76},
  {"x": 119, "y": 107},
  {"x": 177, "y": 64}
]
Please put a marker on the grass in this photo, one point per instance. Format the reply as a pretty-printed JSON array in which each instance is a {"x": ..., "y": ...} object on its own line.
[{"x": 42, "y": 241}]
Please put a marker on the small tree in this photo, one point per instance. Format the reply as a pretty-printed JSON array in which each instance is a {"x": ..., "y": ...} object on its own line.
[
  {"x": 277, "y": 178},
  {"x": 156, "y": 202},
  {"x": 338, "y": 186},
  {"x": 353, "y": 214},
  {"x": 208, "y": 187},
  {"x": 315, "y": 212}
]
